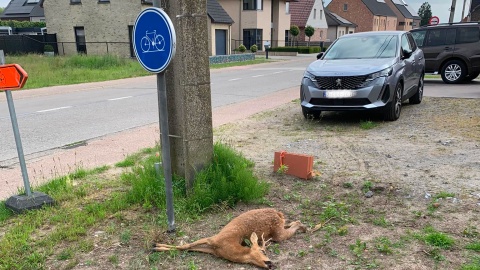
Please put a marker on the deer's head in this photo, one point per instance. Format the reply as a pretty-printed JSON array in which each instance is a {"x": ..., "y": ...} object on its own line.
[{"x": 258, "y": 254}]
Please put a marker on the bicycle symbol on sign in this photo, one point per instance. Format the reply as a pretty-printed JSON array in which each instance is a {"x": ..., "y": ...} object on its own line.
[{"x": 152, "y": 42}]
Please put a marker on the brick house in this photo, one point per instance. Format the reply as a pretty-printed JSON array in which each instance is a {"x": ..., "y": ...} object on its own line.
[
  {"x": 368, "y": 15},
  {"x": 219, "y": 29},
  {"x": 309, "y": 13},
  {"x": 81, "y": 25},
  {"x": 101, "y": 26},
  {"x": 407, "y": 17},
  {"x": 258, "y": 21},
  {"x": 23, "y": 10},
  {"x": 338, "y": 26},
  {"x": 475, "y": 10}
]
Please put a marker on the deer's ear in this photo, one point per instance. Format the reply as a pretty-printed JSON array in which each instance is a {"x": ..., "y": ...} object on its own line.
[{"x": 254, "y": 239}]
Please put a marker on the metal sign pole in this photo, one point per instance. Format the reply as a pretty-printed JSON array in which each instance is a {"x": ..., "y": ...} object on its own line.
[
  {"x": 16, "y": 133},
  {"x": 165, "y": 139},
  {"x": 18, "y": 141},
  {"x": 154, "y": 42}
]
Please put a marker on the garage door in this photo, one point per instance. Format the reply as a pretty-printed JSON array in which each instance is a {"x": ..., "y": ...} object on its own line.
[{"x": 220, "y": 42}]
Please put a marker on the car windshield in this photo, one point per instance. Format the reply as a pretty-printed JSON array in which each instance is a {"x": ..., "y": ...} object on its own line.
[{"x": 363, "y": 47}]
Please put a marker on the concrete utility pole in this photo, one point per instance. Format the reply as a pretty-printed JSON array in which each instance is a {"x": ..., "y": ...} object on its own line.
[
  {"x": 452, "y": 11},
  {"x": 188, "y": 90}
]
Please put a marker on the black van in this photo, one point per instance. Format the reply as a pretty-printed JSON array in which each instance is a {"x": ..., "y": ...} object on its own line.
[{"x": 451, "y": 49}]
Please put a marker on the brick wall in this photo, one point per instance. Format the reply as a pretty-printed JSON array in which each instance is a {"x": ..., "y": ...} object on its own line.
[
  {"x": 102, "y": 22},
  {"x": 316, "y": 35},
  {"x": 356, "y": 13}
]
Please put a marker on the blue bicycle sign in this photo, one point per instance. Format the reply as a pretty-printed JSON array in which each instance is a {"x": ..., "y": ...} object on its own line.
[
  {"x": 152, "y": 42},
  {"x": 154, "y": 39}
]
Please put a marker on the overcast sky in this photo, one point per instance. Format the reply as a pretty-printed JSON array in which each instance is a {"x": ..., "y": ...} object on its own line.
[{"x": 440, "y": 8}]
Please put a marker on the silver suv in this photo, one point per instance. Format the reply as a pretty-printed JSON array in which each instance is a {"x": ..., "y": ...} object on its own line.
[
  {"x": 451, "y": 49},
  {"x": 363, "y": 71}
]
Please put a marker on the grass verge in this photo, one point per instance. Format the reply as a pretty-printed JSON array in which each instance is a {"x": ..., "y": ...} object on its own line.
[{"x": 89, "y": 197}]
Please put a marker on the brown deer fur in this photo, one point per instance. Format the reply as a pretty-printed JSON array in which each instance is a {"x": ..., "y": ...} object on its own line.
[{"x": 269, "y": 224}]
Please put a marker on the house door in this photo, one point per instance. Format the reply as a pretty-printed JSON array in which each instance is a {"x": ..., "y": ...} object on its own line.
[
  {"x": 130, "y": 39},
  {"x": 220, "y": 42},
  {"x": 80, "y": 39}
]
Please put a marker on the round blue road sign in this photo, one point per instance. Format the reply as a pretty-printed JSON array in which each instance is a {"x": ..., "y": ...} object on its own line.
[{"x": 154, "y": 39}]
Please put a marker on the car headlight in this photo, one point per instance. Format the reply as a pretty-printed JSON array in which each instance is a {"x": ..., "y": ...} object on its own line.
[
  {"x": 309, "y": 76},
  {"x": 383, "y": 73}
]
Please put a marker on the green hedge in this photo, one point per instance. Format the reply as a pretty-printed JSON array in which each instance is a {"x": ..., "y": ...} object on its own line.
[
  {"x": 22, "y": 24},
  {"x": 299, "y": 49}
]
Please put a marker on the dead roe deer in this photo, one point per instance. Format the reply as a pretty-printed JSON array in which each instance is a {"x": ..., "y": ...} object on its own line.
[{"x": 269, "y": 224}]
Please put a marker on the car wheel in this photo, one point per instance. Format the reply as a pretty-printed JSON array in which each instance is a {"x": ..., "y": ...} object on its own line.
[
  {"x": 310, "y": 114},
  {"x": 454, "y": 71},
  {"x": 418, "y": 96},
  {"x": 471, "y": 77},
  {"x": 394, "y": 107}
]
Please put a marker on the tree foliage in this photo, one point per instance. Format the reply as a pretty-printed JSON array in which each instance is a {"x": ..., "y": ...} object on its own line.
[
  {"x": 425, "y": 13},
  {"x": 294, "y": 30},
  {"x": 22, "y": 24},
  {"x": 309, "y": 31}
]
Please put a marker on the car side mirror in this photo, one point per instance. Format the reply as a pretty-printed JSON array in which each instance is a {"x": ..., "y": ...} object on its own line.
[
  {"x": 319, "y": 55},
  {"x": 406, "y": 54}
]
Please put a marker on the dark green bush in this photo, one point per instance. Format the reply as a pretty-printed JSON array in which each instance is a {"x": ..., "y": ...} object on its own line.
[{"x": 299, "y": 49}]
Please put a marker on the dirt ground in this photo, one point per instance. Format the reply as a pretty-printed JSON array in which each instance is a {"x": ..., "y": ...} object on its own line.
[{"x": 423, "y": 172}]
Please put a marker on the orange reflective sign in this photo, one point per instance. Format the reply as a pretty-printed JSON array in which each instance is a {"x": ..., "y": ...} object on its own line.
[{"x": 12, "y": 77}]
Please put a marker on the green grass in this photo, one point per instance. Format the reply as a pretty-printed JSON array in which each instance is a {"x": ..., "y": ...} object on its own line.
[
  {"x": 475, "y": 246},
  {"x": 473, "y": 265},
  {"x": 243, "y": 63},
  {"x": 438, "y": 239},
  {"x": 64, "y": 70},
  {"x": 227, "y": 180},
  {"x": 444, "y": 195},
  {"x": 367, "y": 125}
]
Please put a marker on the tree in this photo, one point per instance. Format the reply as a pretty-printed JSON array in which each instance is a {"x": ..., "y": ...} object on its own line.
[
  {"x": 309, "y": 31},
  {"x": 425, "y": 13},
  {"x": 294, "y": 31}
]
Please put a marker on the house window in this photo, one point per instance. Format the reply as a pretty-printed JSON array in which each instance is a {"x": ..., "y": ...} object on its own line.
[
  {"x": 252, "y": 4},
  {"x": 287, "y": 8},
  {"x": 74, "y": 2},
  {"x": 345, "y": 7},
  {"x": 252, "y": 36},
  {"x": 147, "y": 2},
  {"x": 320, "y": 14},
  {"x": 80, "y": 39},
  {"x": 401, "y": 23},
  {"x": 103, "y": 1},
  {"x": 314, "y": 13}
]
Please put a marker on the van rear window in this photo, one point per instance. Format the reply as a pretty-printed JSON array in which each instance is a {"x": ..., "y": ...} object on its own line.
[{"x": 468, "y": 35}]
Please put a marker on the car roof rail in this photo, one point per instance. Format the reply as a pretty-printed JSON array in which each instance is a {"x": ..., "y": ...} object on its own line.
[{"x": 452, "y": 23}]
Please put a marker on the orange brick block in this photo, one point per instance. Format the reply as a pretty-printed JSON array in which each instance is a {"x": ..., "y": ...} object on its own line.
[{"x": 298, "y": 165}]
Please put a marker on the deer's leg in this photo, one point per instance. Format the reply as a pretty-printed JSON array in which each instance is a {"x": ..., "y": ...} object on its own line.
[
  {"x": 283, "y": 234},
  {"x": 202, "y": 245}
]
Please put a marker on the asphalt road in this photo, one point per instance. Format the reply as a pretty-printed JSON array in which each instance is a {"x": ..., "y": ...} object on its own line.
[
  {"x": 58, "y": 120},
  {"x": 65, "y": 118}
]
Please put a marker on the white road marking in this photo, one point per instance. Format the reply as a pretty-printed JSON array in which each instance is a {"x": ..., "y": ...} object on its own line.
[
  {"x": 278, "y": 72},
  {"x": 54, "y": 109},
  {"x": 236, "y": 79},
  {"x": 113, "y": 99},
  {"x": 256, "y": 76}
]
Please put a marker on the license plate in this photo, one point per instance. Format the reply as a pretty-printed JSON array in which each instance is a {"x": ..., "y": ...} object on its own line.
[{"x": 339, "y": 94}]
